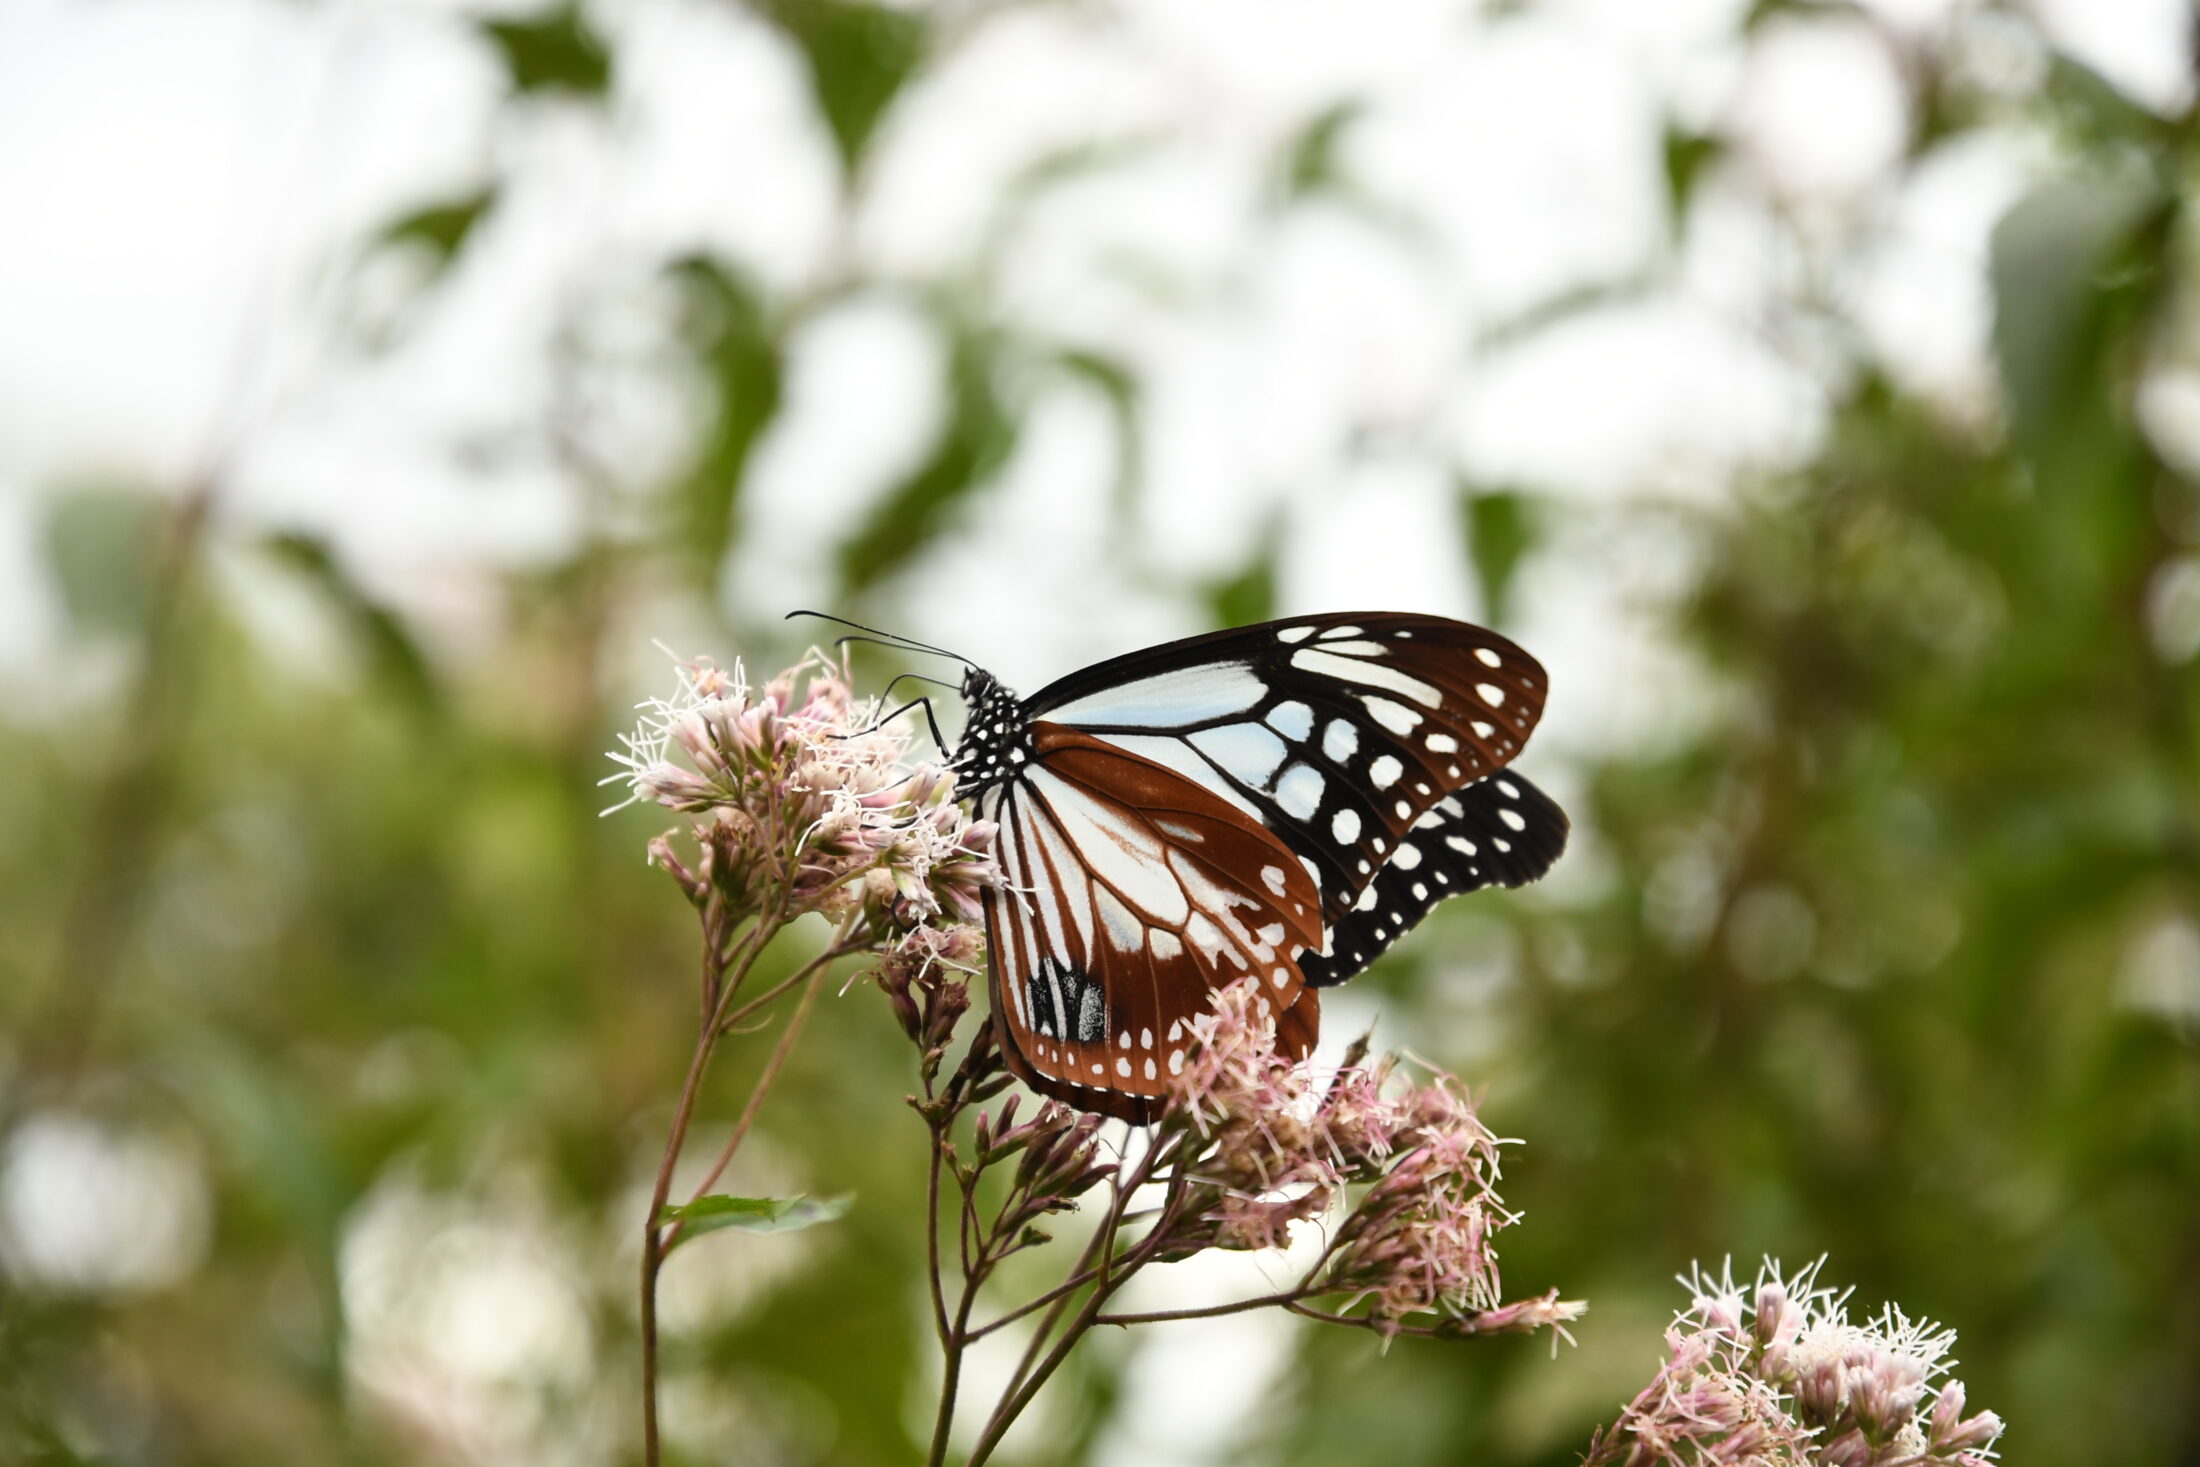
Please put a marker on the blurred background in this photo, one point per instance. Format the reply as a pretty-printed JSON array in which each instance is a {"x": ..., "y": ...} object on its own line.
[{"x": 1815, "y": 388}]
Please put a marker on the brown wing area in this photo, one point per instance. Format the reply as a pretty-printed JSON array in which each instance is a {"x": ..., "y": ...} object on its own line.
[{"x": 1134, "y": 894}]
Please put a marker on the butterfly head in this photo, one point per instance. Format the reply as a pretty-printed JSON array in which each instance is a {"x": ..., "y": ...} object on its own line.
[{"x": 996, "y": 741}]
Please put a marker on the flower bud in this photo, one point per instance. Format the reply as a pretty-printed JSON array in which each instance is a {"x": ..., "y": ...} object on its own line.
[
  {"x": 1847, "y": 1450},
  {"x": 1776, "y": 1320},
  {"x": 1822, "y": 1391}
]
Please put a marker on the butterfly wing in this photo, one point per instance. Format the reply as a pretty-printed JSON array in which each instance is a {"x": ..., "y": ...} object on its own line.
[
  {"x": 1342, "y": 734},
  {"x": 1464, "y": 841},
  {"x": 1132, "y": 893}
]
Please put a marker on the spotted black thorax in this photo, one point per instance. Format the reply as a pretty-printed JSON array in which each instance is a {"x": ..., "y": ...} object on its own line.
[{"x": 996, "y": 740}]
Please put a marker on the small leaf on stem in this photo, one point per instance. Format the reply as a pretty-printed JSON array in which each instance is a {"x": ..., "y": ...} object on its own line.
[{"x": 751, "y": 1214}]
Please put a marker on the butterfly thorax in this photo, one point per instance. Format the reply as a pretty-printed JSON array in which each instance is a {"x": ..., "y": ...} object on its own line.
[{"x": 996, "y": 741}]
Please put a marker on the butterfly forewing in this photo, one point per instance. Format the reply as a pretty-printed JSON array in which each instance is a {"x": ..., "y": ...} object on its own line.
[
  {"x": 1132, "y": 894},
  {"x": 1338, "y": 733}
]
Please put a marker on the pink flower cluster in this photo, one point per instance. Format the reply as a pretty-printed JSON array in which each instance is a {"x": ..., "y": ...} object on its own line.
[
  {"x": 808, "y": 804},
  {"x": 1778, "y": 1375},
  {"x": 1279, "y": 1149}
]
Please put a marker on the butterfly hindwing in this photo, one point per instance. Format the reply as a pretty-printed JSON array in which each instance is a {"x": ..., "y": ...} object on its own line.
[
  {"x": 1499, "y": 831},
  {"x": 1132, "y": 893}
]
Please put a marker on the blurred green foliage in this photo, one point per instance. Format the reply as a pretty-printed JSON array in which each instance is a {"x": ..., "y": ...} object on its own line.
[{"x": 1854, "y": 975}]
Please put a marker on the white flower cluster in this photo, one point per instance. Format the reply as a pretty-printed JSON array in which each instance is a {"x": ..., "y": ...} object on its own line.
[{"x": 809, "y": 804}]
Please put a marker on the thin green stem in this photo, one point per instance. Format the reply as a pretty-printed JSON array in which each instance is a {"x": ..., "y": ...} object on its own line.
[
  {"x": 763, "y": 1087},
  {"x": 723, "y": 973}
]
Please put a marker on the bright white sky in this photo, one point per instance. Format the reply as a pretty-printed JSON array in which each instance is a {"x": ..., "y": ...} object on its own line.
[{"x": 187, "y": 182}]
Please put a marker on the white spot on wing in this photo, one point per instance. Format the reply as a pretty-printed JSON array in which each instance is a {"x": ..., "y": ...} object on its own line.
[
  {"x": 1125, "y": 931},
  {"x": 1164, "y": 943},
  {"x": 1247, "y": 750},
  {"x": 1439, "y": 743},
  {"x": 1491, "y": 693},
  {"x": 1340, "y": 741},
  {"x": 1168, "y": 699},
  {"x": 1396, "y": 717},
  {"x": 1208, "y": 938},
  {"x": 1292, "y": 720},
  {"x": 1368, "y": 674},
  {"x": 1512, "y": 818},
  {"x": 1344, "y": 828},
  {"x": 1294, "y": 634},
  {"x": 1272, "y": 878},
  {"x": 1489, "y": 658},
  {"x": 1384, "y": 772},
  {"x": 1408, "y": 857},
  {"x": 1300, "y": 791}
]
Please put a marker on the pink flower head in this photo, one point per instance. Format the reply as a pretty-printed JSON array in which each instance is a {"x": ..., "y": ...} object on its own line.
[
  {"x": 1279, "y": 1149},
  {"x": 1252, "y": 1104},
  {"x": 806, "y": 801},
  {"x": 1777, "y": 1374}
]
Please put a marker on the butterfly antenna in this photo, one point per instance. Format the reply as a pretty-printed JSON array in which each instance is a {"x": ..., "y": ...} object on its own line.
[
  {"x": 883, "y": 639},
  {"x": 919, "y": 678}
]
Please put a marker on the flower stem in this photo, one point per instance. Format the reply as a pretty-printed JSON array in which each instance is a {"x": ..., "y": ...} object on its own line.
[
  {"x": 652, "y": 1242},
  {"x": 723, "y": 973},
  {"x": 1098, "y": 1261},
  {"x": 1284, "y": 1297},
  {"x": 816, "y": 974}
]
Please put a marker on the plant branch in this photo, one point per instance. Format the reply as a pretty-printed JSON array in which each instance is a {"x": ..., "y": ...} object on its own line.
[
  {"x": 816, "y": 974},
  {"x": 652, "y": 1245},
  {"x": 1099, "y": 1253},
  {"x": 1213, "y": 1311},
  {"x": 724, "y": 969}
]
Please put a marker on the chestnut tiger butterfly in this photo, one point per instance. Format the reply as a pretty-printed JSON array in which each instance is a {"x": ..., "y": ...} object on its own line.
[{"x": 1279, "y": 802}]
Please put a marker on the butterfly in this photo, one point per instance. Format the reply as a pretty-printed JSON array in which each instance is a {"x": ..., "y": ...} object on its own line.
[{"x": 1278, "y": 802}]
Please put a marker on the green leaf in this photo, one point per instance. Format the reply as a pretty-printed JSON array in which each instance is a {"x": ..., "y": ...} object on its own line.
[
  {"x": 392, "y": 654},
  {"x": 2054, "y": 255},
  {"x": 737, "y": 348},
  {"x": 558, "y": 52},
  {"x": 1312, "y": 165},
  {"x": 1501, "y": 530},
  {"x": 752, "y": 1214},
  {"x": 976, "y": 438},
  {"x": 442, "y": 229},
  {"x": 2077, "y": 272},
  {"x": 1687, "y": 155},
  {"x": 102, "y": 545},
  {"x": 859, "y": 55},
  {"x": 1250, "y": 595}
]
